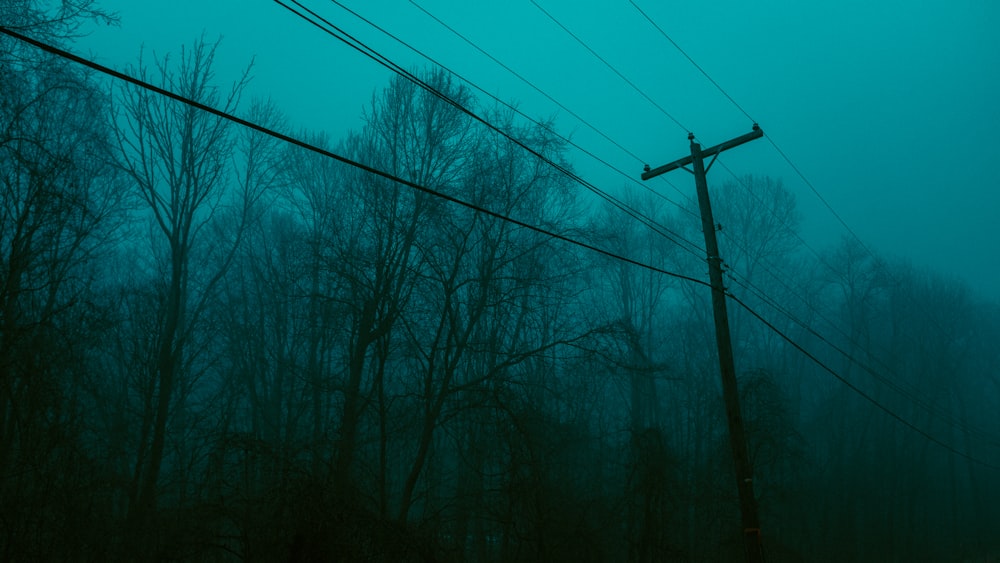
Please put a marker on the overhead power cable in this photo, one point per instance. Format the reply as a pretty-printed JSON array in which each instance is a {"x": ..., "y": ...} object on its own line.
[
  {"x": 819, "y": 196},
  {"x": 692, "y": 61},
  {"x": 630, "y": 177},
  {"x": 335, "y": 156},
  {"x": 860, "y": 392},
  {"x": 534, "y": 87},
  {"x": 524, "y": 80},
  {"x": 613, "y": 69},
  {"x": 377, "y": 172},
  {"x": 907, "y": 393},
  {"x": 360, "y": 46}
]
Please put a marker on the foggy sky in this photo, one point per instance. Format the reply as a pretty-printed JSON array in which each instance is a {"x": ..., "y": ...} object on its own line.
[{"x": 889, "y": 108}]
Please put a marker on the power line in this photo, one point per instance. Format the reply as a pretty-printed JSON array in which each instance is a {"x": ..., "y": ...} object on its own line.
[
  {"x": 361, "y": 47},
  {"x": 527, "y": 82},
  {"x": 822, "y": 199},
  {"x": 748, "y": 116},
  {"x": 909, "y": 394},
  {"x": 878, "y": 262},
  {"x": 515, "y": 109},
  {"x": 335, "y": 156},
  {"x": 692, "y": 61},
  {"x": 613, "y": 69},
  {"x": 477, "y": 208},
  {"x": 858, "y": 390},
  {"x": 545, "y": 94}
]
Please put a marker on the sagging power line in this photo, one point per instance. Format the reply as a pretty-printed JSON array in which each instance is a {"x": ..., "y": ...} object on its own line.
[
  {"x": 513, "y": 108},
  {"x": 358, "y": 45},
  {"x": 569, "y": 240},
  {"x": 338, "y": 157}
]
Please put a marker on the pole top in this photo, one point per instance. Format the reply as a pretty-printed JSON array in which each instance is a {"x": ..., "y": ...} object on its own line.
[{"x": 690, "y": 136}]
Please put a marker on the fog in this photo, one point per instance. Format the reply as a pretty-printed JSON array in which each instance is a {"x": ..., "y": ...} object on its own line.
[{"x": 380, "y": 281}]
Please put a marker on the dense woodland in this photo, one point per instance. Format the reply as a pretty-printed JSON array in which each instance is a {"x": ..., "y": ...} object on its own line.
[{"x": 218, "y": 347}]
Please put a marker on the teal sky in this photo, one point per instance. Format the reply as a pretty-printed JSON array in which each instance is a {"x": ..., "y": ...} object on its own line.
[{"x": 889, "y": 108}]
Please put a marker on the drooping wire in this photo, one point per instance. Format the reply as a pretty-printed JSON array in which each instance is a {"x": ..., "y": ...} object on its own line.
[
  {"x": 518, "y": 111},
  {"x": 346, "y": 38},
  {"x": 908, "y": 393},
  {"x": 374, "y": 171},
  {"x": 613, "y": 69},
  {"x": 857, "y": 390},
  {"x": 692, "y": 61},
  {"x": 531, "y": 85},
  {"x": 338, "y": 157},
  {"x": 524, "y": 80},
  {"x": 805, "y": 180}
]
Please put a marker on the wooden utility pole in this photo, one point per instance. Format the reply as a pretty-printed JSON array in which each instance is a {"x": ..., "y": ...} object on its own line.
[{"x": 737, "y": 438}]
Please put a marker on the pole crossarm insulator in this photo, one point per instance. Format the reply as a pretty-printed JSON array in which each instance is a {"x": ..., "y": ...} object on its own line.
[{"x": 711, "y": 151}]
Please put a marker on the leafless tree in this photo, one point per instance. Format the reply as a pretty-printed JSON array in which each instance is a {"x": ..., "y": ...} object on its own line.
[{"x": 180, "y": 161}]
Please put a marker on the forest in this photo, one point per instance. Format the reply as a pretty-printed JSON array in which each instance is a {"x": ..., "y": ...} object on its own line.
[{"x": 218, "y": 346}]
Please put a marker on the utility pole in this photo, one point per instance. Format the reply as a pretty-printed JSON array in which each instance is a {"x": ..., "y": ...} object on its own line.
[{"x": 737, "y": 438}]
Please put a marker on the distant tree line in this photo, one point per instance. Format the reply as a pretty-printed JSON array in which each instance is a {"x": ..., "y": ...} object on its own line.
[{"x": 216, "y": 347}]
